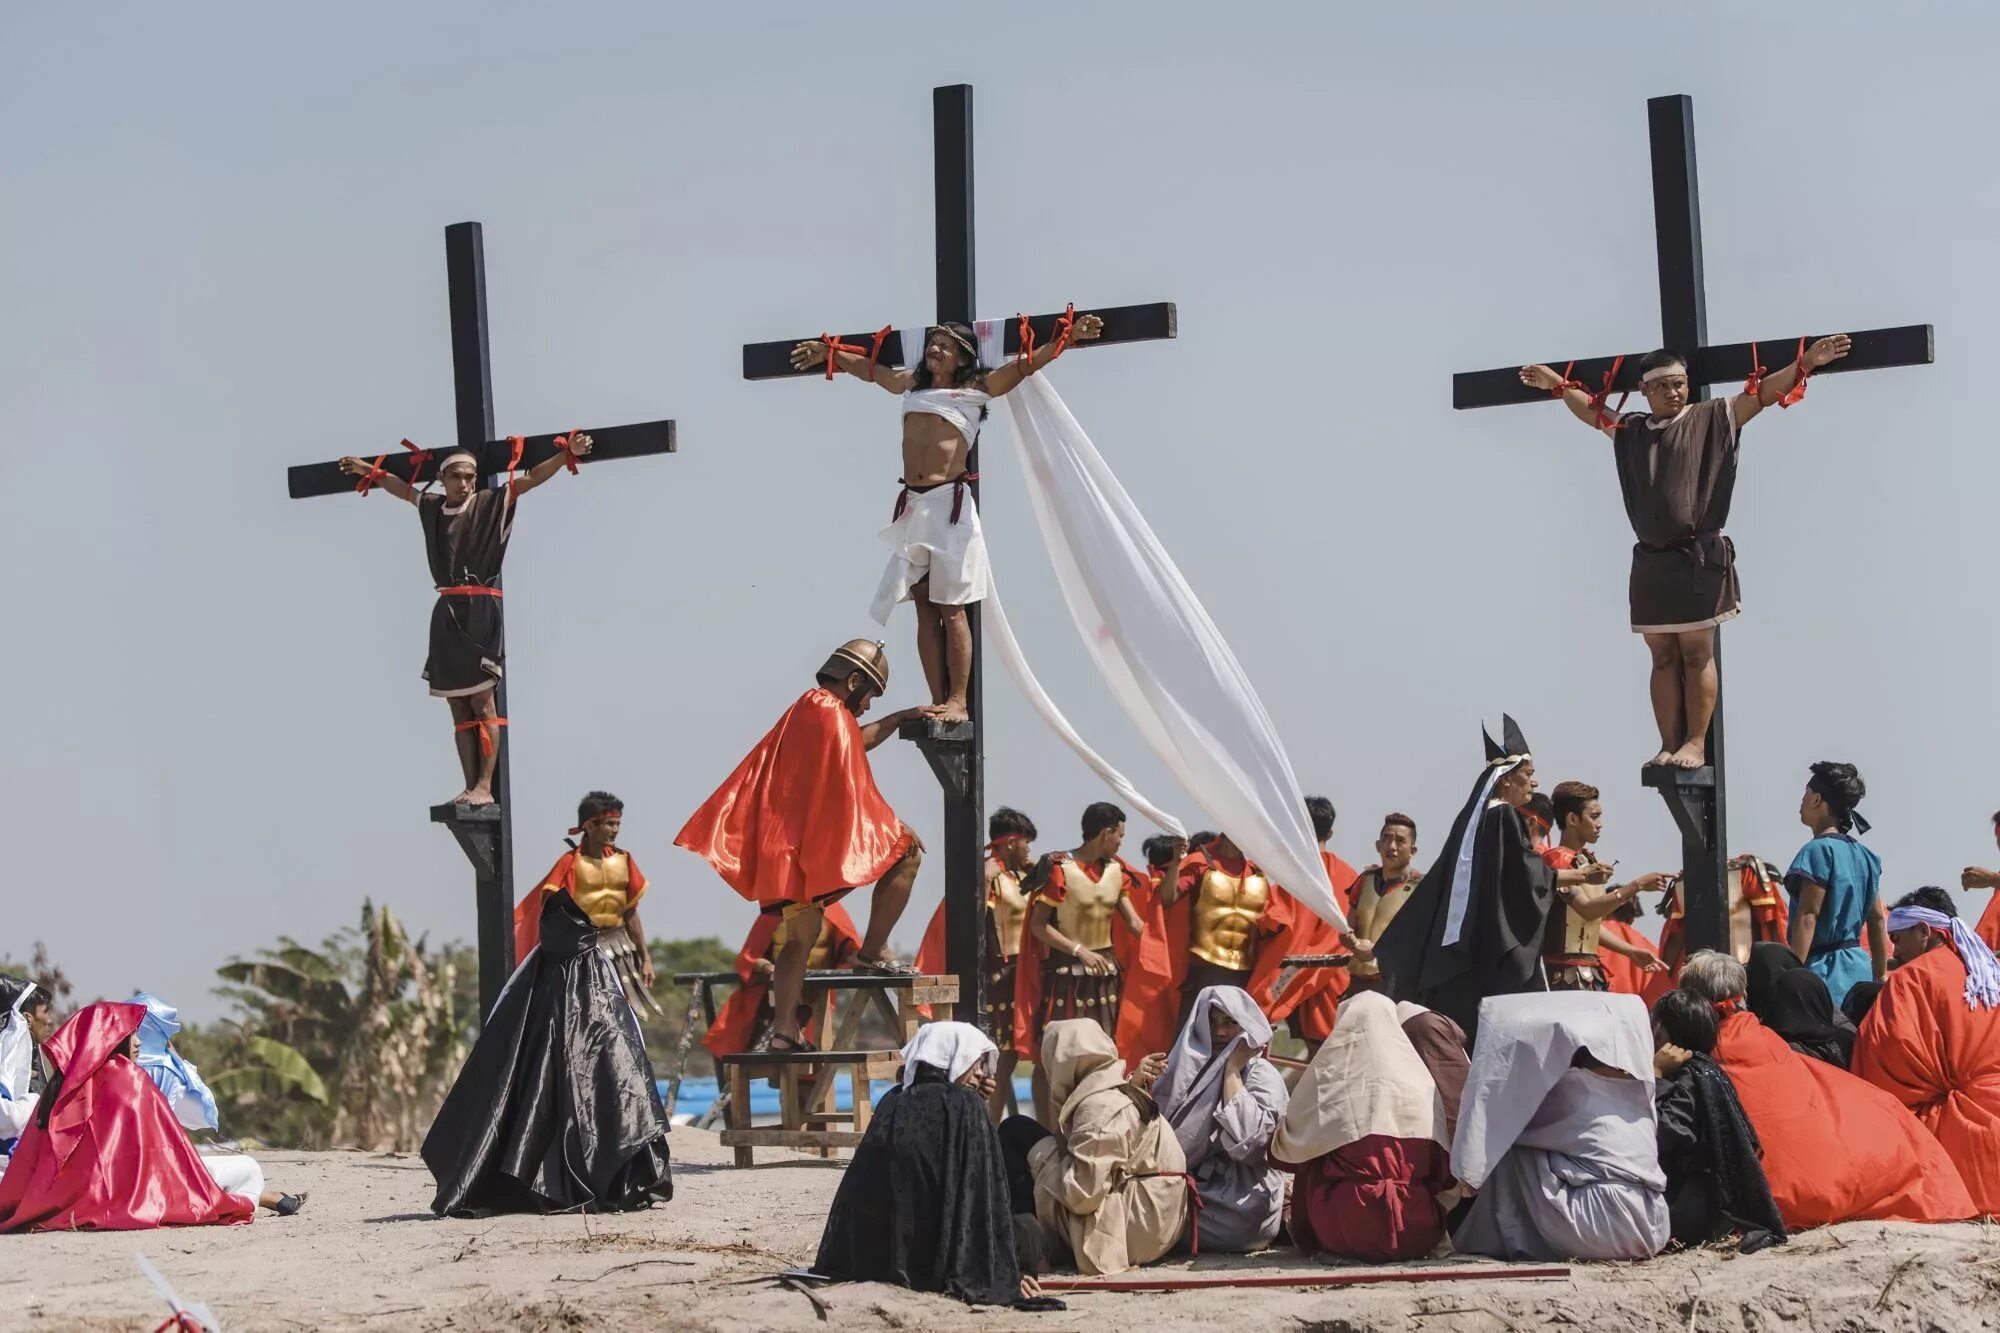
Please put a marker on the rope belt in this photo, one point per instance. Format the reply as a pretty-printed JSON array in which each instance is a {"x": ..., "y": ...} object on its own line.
[
  {"x": 1194, "y": 1196},
  {"x": 1698, "y": 547},
  {"x": 469, "y": 590},
  {"x": 957, "y": 484}
]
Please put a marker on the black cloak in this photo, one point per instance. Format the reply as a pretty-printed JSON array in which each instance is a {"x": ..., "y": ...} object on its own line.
[
  {"x": 924, "y": 1204},
  {"x": 1792, "y": 1000},
  {"x": 1712, "y": 1158},
  {"x": 1498, "y": 944},
  {"x": 556, "y": 1107}
]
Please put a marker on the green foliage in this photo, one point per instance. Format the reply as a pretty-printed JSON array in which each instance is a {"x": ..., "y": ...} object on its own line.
[{"x": 663, "y": 1033}]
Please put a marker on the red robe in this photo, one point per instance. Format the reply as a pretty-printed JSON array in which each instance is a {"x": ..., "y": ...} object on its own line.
[
  {"x": 801, "y": 817},
  {"x": 528, "y": 912},
  {"x": 1989, "y": 923},
  {"x": 1836, "y": 1148},
  {"x": 1315, "y": 995},
  {"x": 1028, "y": 964},
  {"x": 1151, "y": 1000},
  {"x": 110, "y": 1155},
  {"x": 736, "y": 1025},
  {"x": 1940, "y": 1058},
  {"x": 1624, "y": 974}
]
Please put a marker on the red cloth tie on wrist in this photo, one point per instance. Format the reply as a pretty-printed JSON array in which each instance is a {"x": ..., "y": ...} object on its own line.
[
  {"x": 1755, "y": 384},
  {"x": 834, "y": 346},
  {"x": 569, "y": 455},
  {"x": 1798, "y": 389},
  {"x": 375, "y": 474}
]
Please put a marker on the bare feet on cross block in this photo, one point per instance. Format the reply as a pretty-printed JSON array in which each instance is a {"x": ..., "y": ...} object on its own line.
[
  {"x": 474, "y": 796},
  {"x": 950, "y": 712},
  {"x": 1663, "y": 759},
  {"x": 1692, "y": 755}
]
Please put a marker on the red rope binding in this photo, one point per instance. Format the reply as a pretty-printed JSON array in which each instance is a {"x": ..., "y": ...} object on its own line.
[
  {"x": 1798, "y": 389},
  {"x": 1025, "y": 353},
  {"x": 875, "y": 352},
  {"x": 1567, "y": 383},
  {"x": 418, "y": 457},
  {"x": 834, "y": 346},
  {"x": 375, "y": 474},
  {"x": 1755, "y": 384},
  {"x": 514, "y": 461},
  {"x": 485, "y": 726},
  {"x": 569, "y": 457},
  {"x": 1604, "y": 419}
]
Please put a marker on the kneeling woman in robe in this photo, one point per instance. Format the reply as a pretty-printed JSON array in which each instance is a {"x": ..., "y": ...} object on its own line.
[
  {"x": 1557, "y": 1131},
  {"x": 1365, "y": 1134},
  {"x": 1111, "y": 1183},
  {"x": 1224, "y": 1101},
  {"x": 924, "y": 1204}
]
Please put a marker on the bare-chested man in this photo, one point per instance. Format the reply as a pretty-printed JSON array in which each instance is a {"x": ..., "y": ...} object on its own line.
[
  {"x": 1677, "y": 471},
  {"x": 465, "y": 535},
  {"x": 938, "y": 555}
]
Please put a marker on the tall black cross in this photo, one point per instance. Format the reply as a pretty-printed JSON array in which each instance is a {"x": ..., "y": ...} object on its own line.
[
  {"x": 957, "y": 754},
  {"x": 484, "y": 832},
  {"x": 1696, "y": 798}
]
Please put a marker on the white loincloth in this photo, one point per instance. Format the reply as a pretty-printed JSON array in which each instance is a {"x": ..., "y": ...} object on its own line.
[
  {"x": 236, "y": 1174},
  {"x": 926, "y": 544}
]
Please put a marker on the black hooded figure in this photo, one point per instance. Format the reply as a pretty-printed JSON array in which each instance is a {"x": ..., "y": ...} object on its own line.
[
  {"x": 556, "y": 1108},
  {"x": 1473, "y": 926}
]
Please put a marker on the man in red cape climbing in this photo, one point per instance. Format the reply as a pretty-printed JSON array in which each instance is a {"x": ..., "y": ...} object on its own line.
[
  {"x": 800, "y": 824},
  {"x": 748, "y": 1010},
  {"x": 104, "y": 1151},
  {"x": 1836, "y": 1148},
  {"x": 1933, "y": 1038}
]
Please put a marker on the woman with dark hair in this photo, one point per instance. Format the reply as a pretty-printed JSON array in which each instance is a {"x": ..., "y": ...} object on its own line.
[
  {"x": 1834, "y": 882},
  {"x": 938, "y": 553},
  {"x": 1708, "y": 1148},
  {"x": 1790, "y": 999}
]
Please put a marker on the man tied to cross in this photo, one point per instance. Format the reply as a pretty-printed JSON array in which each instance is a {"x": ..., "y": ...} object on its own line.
[
  {"x": 465, "y": 535},
  {"x": 937, "y": 550},
  {"x": 1677, "y": 472}
]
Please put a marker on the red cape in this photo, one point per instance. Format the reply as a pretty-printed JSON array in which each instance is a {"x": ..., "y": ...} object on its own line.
[
  {"x": 1028, "y": 970},
  {"x": 736, "y": 1024},
  {"x": 1624, "y": 974},
  {"x": 1836, "y": 1148},
  {"x": 110, "y": 1156},
  {"x": 1989, "y": 923},
  {"x": 560, "y": 879},
  {"x": 1315, "y": 995},
  {"x": 800, "y": 817},
  {"x": 1941, "y": 1059},
  {"x": 1151, "y": 1002}
]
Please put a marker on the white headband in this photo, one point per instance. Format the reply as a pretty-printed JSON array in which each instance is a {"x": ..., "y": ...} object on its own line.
[
  {"x": 458, "y": 456},
  {"x": 1661, "y": 372},
  {"x": 1982, "y": 969}
]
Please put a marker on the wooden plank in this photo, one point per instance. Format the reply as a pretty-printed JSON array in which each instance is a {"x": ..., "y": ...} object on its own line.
[
  {"x": 608, "y": 444},
  {"x": 880, "y": 1064},
  {"x": 1122, "y": 324},
  {"x": 926, "y": 988},
  {"x": 739, "y": 1113},
  {"x": 1874, "y": 349},
  {"x": 745, "y": 1139}
]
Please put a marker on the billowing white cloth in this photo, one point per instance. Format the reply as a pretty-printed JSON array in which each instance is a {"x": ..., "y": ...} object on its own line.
[
  {"x": 1160, "y": 654},
  {"x": 1566, "y": 1159},
  {"x": 236, "y": 1174},
  {"x": 178, "y": 1081},
  {"x": 1366, "y": 1078},
  {"x": 952, "y": 1047},
  {"x": 1227, "y": 1143},
  {"x": 17, "y": 1070}
]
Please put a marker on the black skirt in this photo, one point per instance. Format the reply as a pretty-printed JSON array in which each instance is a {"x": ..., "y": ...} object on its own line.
[
  {"x": 466, "y": 652},
  {"x": 556, "y": 1108}
]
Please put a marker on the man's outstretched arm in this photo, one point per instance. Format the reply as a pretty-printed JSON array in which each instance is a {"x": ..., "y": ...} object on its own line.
[
  {"x": 813, "y": 353},
  {"x": 396, "y": 486},
  {"x": 579, "y": 445},
  {"x": 1775, "y": 386},
  {"x": 1574, "y": 397}
]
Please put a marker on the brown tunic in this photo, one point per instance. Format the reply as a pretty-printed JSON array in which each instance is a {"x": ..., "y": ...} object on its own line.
[
  {"x": 465, "y": 550},
  {"x": 1677, "y": 479}
]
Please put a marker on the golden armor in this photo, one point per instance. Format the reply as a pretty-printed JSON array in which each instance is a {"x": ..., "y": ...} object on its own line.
[
  {"x": 1010, "y": 910},
  {"x": 1084, "y": 914},
  {"x": 602, "y": 888},
  {"x": 1374, "y": 910},
  {"x": 1224, "y": 921}
]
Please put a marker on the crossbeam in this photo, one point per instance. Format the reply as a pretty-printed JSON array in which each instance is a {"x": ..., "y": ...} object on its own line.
[
  {"x": 1122, "y": 324},
  {"x": 608, "y": 443},
  {"x": 1873, "y": 349}
]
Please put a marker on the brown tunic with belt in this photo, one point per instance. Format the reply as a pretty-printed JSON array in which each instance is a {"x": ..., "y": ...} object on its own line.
[
  {"x": 1677, "y": 478},
  {"x": 465, "y": 547}
]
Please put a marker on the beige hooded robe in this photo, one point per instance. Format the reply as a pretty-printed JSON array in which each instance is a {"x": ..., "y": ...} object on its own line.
[{"x": 1111, "y": 1181}]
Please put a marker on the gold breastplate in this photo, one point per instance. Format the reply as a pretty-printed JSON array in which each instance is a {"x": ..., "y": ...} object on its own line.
[
  {"x": 1373, "y": 911},
  {"x": 1226, "y": 911},
  {"x": 1571, "y": 934},
  {"x": 1010, "y": 910},
  {"x": 1084, "y": 914},
  {"x": 602, "y": 888}
]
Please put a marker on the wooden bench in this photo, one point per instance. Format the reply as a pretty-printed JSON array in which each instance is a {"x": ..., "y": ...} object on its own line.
[{"x": 805, "y": 1080}]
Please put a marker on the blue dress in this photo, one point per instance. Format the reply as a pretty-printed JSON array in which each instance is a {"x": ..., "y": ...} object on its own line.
[{"x": 1851, "y": 874}]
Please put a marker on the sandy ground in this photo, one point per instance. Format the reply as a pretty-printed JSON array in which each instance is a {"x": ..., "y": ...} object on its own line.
[{"x": 367, "y": 1255}]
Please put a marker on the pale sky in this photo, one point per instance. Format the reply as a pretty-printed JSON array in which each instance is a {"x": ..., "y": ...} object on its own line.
[{"x": 223, "y": 254}]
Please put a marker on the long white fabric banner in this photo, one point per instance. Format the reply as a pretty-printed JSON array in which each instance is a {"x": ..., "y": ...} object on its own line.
[{"x": 1161, "y": 655}]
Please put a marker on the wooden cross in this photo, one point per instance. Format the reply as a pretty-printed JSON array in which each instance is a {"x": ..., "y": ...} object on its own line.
[
  {"x": 1696, "y": 797},
  {"x": 484, "y": 832},
  {"x": 957, "y": 753}
]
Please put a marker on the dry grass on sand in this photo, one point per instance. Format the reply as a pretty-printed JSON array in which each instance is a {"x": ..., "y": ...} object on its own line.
[{"x": 366, "y": 1255}]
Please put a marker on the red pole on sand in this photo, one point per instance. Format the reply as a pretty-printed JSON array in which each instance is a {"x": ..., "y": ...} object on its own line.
[{"x": 1357, "y": 1277}]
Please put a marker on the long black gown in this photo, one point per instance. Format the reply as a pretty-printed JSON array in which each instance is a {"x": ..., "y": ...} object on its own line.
[
  {"x": 1499, "y": 947},
  {"x": 1712, "y": 1158},
  {"x": 924, "y": 1204},
  {"x": 556, "y": 1108}
]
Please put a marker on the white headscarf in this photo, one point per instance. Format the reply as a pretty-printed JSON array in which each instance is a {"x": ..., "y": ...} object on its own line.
[
  {"x": 17, "y": 1067},
  {"x": 178, "y": 1081},
  {"x": 952, "y": 1047},
  {"x": 1191, "y": 1087},
  {"x": 1982, "y": 970},
  {"x": 1366, "y": 1079}
]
